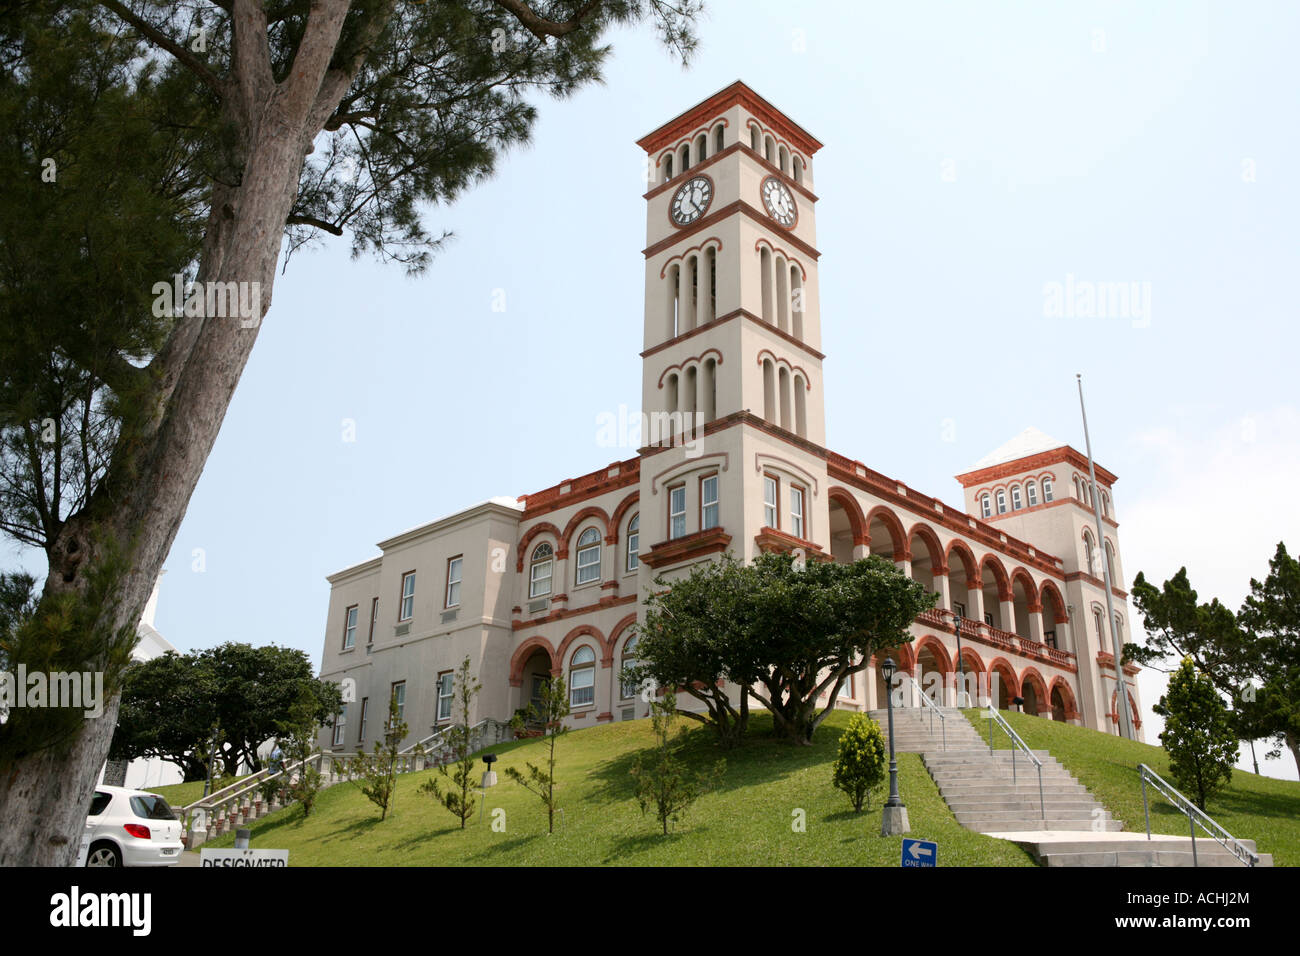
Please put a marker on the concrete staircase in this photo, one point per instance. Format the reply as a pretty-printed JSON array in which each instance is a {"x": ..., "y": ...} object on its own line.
[{"x": 983, "y": 795}]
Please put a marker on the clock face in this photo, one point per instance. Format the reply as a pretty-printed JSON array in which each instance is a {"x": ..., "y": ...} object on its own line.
[
  {"x": 691, "y": 200},
  {"x": 779, "y": 202}
]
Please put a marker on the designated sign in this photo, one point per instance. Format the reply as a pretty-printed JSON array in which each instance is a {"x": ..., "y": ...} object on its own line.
[
  {"x": 920, "y": 853},
  {"x": 247, "y": 858}
]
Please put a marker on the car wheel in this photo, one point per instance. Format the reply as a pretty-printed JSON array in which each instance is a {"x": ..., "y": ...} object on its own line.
[{"x": 104, "y": 854}]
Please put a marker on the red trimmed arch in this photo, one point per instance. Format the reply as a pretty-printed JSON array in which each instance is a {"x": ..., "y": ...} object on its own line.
[
  {"x": 1049, "y": 589},
  {"x": 524, "y": 651},
  {"x": 1067, "y": 697},
  {"x": 972, "y": 658},
  {"x": 612, "y": 641},
  {"x": 592, "y": 511},
  {"x": 1006, "y": 673},
  {"x": 938, "y": 650},
  {"x": 852, "y": 509},
  {"x": 581, "y": 630},
  {"x": 938, "y": 559},
  {"x": 1031, "y": 589},
  {"x": 616, "y": 519},
  {"x": 1030, "y": 675},
  {"x": 999, "y": 575},
  {"x": 903, "y": 657},
  {"x": 544, "y": 527},
  {"x": 963, "y": 552},
  {"x": 1133, "y": 707},
  {"x": 895, "y": 528}
]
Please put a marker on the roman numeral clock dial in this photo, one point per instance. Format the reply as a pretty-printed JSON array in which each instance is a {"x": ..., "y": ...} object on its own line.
[
  {"x": 691, "y": 200},
  {"x": 779, "y": 202}
]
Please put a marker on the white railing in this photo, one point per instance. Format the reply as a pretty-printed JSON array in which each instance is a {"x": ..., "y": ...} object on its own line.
[
  {"x": 928, "y": 704},
  {"x": 1195, "y": 817}
]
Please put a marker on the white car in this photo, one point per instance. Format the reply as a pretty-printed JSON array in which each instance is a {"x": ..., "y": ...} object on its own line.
[{"x": 131, "y": 828}]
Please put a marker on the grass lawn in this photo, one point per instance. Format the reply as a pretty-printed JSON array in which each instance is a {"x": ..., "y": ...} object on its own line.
[
  {"x": 747, "y": 821},
  {"x": 1251, "y": 807}
]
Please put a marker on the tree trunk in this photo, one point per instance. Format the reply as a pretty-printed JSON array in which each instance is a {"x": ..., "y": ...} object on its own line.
[
  {"x": 1293, "y": 744},
  {"x": 123, "y": 535}
]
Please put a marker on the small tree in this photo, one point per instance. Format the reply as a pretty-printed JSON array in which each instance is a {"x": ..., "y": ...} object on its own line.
[
  {"x": 863, "y": 761},
  {"x": 377, "y": 771},
  {"x": 1199, "y": 735},
  {"x": 662, "y": 780},
  {"x": 302, "y": 784},
  {"x": 455, "y": 795},
  {"x": 554, "y": 707}
]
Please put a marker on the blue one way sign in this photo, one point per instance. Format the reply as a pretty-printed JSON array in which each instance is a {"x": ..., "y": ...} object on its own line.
[{"x": 920, "y": 853}]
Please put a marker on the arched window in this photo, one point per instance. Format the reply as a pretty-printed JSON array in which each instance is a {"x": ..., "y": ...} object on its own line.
[
  {"x": 753, "y": 138},
  {"x": 1031, "y": 493},
  {"x": 1002, "y": 502},
  {"x": 718, "y": 139},
  {"x": 686, "y": 157},
  {"x": 1105, "y": 504},
  {"x": 633, "y": 542},
  {"x": 1016, "y": 502},
  {"x": 798, "y": 170},
  {"x": 1096, "y": 620},
  {"x": 986, "y": 507},
  {"x": 1047, "y": 489},
  {"x": 701, "y": 147},
  {"x": 628, "y": 689},
  {"x": 1110, "y": 562},
  {"x": 582, "y": 677},
  {"x": 588, "y": 556},
  {"x": 668, "y": 167},
  {"x": 1089, "y": 560},
  {"x": 539, "y": 574}
]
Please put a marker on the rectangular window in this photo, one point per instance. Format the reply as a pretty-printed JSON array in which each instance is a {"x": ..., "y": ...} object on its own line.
[
  {"x": 1049, "y": 638},
  {"x": 959, "y": 608},
  {"x": 407, "y": 606},
  {"x": 988, "y": 618},
  {"x": 446, "y": 688},
  {"x": 338, "y": 725},
  {"x": 709, "y": 502},
  {"x": 374, "y": 619},
  {"x": 540, "y": 578},
  {"x": 583, "y": 689},
  {"x": 770, "y": 518},
  {"x": 365, "y": 712},
  {"x": 399, "y": 695},
  {"x": 1002, "y": 502},
  {"x": 350, "y": 627},
  {"x": 677, "y": 511},
  {"x": 1031, "y": 493},
  {"x": 796, "y": 511},
  {"x": 846, "y": 689},
  {"x": 1047, "y": 489},
  {"x": 453, "y": 581}
]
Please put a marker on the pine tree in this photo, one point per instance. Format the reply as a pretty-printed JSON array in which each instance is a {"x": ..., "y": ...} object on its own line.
[
  {"x": 456, "y": 795},
  {"x": 1199, "y": 735},
  {"x": 377, "y": 771},
  {"x": 662, "y": 780},
  {"x": 554, "y": 707},
  {"x": 863, "y": 760}
]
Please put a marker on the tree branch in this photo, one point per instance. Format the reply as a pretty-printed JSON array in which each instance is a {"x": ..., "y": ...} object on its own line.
[
  {"x": 539, "y": 26},
  {"x": 163, "y": 41},
  {"x": 297, "y": 220}
]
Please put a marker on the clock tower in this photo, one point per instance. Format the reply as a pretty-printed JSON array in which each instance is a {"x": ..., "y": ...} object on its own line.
[{"x": 733, "y": 455}]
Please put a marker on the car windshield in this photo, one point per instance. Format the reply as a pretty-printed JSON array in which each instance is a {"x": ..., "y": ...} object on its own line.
[{"x": 150, "y": 806}]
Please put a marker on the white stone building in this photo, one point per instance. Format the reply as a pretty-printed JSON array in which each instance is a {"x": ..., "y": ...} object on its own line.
[{"x": 551, "y": 582}]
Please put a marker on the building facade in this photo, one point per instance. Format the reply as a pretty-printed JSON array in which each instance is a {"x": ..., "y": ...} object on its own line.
[{"x": 733, "y": 459}]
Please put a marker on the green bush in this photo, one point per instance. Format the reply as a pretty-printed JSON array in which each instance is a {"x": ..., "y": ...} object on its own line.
[{"x": 862, "y": 764}]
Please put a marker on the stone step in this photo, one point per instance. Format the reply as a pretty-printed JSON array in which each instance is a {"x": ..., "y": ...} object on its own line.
[
  {"x": 1154, "y": 857},
  {"x": 1036, "y": 823},
  {"x": 1054, "y": 804}
]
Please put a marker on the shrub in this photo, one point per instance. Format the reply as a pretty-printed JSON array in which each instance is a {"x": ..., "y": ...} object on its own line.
[{"x": 863, "y": 761}]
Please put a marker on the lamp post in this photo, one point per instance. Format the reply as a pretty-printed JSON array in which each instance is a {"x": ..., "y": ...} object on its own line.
[
  {"x": 961, "y": 665},
  {"x": 894, "y": 822}
]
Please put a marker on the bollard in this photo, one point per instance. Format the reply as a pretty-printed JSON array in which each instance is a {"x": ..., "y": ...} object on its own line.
[{"x": 241, "y": 838}]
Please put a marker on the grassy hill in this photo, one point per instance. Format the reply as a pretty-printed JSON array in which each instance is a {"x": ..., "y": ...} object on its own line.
[
  {"x": 1251, "y": 807},
  {"x": 747, "y": 821}
]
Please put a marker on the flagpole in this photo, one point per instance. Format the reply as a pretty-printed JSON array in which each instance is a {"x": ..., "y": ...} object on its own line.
[{"x": 1121, "y": 692}]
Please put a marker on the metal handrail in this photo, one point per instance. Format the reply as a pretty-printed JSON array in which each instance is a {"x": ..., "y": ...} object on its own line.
[
  {"x": 1020, "y": 744},
  {"x": 1195, "y": 817},
  {"x": 934, "y": 709}
]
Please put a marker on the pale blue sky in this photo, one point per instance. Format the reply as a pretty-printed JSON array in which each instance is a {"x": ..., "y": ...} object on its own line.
[{"x": 1103, "y": 141}]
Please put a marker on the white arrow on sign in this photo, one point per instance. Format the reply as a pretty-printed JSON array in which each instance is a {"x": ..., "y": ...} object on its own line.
[{"x": 918, "y": 851}]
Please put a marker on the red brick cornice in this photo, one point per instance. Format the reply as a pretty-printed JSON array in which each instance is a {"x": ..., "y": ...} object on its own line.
[
  {"x": 709, "y": 109},
  {"x": 770, "y": 539},
  {"x": 1031, "y": 462},
  {"x": 563, "y": 613},
  {"x": 687, "y": 548}
]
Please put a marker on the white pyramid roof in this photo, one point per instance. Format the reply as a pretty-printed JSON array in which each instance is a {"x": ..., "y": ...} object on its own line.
[{"x": 1029, "y": 442}]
